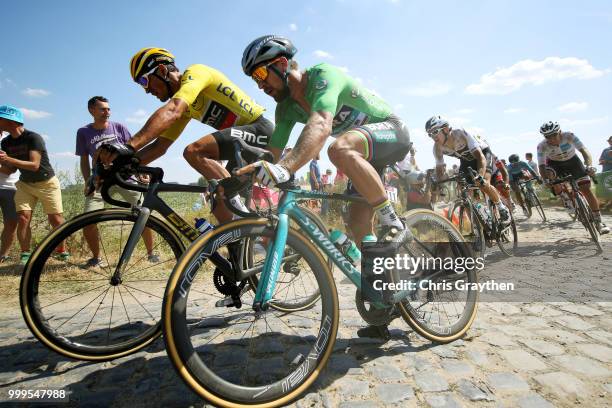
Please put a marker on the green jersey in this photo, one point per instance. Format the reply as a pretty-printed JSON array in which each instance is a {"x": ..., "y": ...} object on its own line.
[{"x": 330, "y": 90}]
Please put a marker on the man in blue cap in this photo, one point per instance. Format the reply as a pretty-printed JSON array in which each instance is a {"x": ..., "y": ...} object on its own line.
[{"x": 25, "y": 150}]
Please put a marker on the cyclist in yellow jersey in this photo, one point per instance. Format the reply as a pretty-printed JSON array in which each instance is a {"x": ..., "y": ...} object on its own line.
[{"x": 201, "y": 93}]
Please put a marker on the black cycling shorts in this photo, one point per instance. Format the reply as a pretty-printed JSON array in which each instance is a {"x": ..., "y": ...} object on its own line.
[
  {"x": 489, "y": 163},
  {"x": 255, "y": 134},
  {"x": 388, "y": 142},
  {"x": 573, "y": 166}
]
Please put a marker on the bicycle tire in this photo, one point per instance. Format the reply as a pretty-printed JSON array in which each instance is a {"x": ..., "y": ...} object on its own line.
[
  {"x": 538, "y": 205},
  {"x": 197, "y": 371},
  {"x": 505, "y": 235},
  {"x": 302, "y": 302},
  {"x": 527, "y": 201},
  {"x": 37, "y": 287},
  {"x": 586, "y": 216},
  {"x": 415, "y": 316}
]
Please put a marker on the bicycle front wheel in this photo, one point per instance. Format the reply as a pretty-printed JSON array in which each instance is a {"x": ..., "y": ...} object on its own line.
[
  {"x": 69, "y": 302},
  {"x": 586, "y": 216},
  {"x": 236, "y": 357},
  {"x": 461, "y": 215},
  {"x": 506, "y": 236},
  {"x": 436, "y": 311},
  {"x": 538, "y": 205}
]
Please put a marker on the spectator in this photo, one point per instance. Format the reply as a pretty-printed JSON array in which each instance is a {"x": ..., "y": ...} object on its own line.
[
  {"x": 9, "y": 215},
  {"x": 531, "y": 163},
  {"x": 315, "y": 174},
  {"x": 408, "y": 164},
  {"x": 606, "y": 157},
  {"x": 26, "y": 151},
  {"x": 326, "y": 179},
  {"x": 88, "y": 139}
]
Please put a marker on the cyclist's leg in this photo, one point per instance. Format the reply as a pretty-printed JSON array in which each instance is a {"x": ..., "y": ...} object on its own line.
[
  {"x": 517, "y": 192},
  {"x": 90, "y": 232},
  {"x": 360, "y": 151},
  {"x": 360, "y": 217},
  {"x": 203, "y": 154}
]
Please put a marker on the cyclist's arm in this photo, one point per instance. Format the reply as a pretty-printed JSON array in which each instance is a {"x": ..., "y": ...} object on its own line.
[
  {"x": 532, "y": 171},
  {"x": 482, "y": 161},
  {"x": 154, "y": 150},
  {"x": 588, "y": 160},
  {"x": 440, "y": 165},
  {"x": 311, "y": 141},
  {"x": 504, "y": 172},
  {"x": 159, "y": 122}
]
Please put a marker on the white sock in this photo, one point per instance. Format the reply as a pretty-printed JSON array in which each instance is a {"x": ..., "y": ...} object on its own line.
[{"x": 387, "y": 216}]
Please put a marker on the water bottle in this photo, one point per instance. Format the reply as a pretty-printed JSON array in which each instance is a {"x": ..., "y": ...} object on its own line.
[
  {"x": 345, "y": 245},
  {"x": 202, "y": 225}
]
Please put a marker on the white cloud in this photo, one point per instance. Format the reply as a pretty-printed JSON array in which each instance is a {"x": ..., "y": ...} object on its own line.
[
  {"x": 529, "y": 72},
  {"x": 139, "y": 117},
  {"x": 578, "y": 122},
  {"x": 293, "y": 27},
  {"x": 343, "y": 69},
  {"x": 322, "y": 54},
  {"x": 513, "y": 110},
  {"x": 62, "y": 155},
  {"x": 34, "y": 114},
  {"x": 35, "y": 92},
  {"x": 427, "y": 89},
  {"x": 573, "y": 107}
]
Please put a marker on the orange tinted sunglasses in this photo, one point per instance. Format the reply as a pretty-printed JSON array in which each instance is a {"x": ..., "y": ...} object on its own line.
[{"x": 261, "y": 73}]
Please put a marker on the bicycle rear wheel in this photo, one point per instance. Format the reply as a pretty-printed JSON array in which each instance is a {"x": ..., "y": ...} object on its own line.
[
  {"x": 586, "y": 217},
  {"x": 75, "y": 310},
  {"x": 462, "y": 216},
  {"x": 236, "y": 356},
  {"x": 439, "y": 313}
]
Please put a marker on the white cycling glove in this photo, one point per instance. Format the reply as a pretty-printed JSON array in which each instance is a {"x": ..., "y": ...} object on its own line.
[{"x": 269, "y": 174}]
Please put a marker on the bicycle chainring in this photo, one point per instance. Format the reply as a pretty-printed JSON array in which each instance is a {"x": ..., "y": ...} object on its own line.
[{"x": 226, "y": 286}]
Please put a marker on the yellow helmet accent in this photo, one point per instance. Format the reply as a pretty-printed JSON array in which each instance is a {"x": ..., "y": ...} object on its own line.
[{"x": 148, "y": 58}]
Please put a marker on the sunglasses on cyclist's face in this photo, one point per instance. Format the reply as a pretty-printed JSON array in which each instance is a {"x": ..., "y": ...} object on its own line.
[
  {"x": 552, "y": 136},
  {"x": 261, "y": 73},
  {"x": 144, "y": 79},
  {"x": 434, "y": 133}
]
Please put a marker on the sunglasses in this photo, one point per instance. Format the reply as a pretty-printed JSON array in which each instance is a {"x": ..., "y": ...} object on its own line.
[
  {"x": 144, "y": 79},
  {"x": 551, "y": 136},
  {"x": 261, "y": 73},
  {"x": 434, "y": 133}
]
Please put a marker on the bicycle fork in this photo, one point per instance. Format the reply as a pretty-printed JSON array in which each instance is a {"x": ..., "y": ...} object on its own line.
[{"x": 135, "y": 234}]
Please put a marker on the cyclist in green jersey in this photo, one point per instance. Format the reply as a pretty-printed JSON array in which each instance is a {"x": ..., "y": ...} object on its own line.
[{"x": 330, "y": 103}]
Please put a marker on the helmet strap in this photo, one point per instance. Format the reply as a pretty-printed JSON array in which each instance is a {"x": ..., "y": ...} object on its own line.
[
  {"x": 165, "y": 80},
  {"x": 284, "y": 76}
]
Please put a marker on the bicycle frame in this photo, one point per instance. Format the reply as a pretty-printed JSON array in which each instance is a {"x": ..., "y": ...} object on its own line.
[{"x": 289, "y": 209}]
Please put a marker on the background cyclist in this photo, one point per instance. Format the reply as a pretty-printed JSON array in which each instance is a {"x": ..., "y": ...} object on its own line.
[
  {"x": 471, "y": 151},
  {"x": 558, "y": 151},
  {"x": 520, "y": 170}
]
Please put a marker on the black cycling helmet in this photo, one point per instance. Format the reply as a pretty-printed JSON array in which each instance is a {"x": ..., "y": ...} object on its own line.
[
  {"x": 550, "y": 128},
  {"x": 514, "y": 158},
  {"x": 264, "y": 49}
]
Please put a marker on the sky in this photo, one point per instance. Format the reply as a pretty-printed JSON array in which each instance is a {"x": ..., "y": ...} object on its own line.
[{"x": 497, "y": 68}]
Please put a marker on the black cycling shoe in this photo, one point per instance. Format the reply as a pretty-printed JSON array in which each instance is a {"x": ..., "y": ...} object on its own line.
[{"x": 381, "y": 332}]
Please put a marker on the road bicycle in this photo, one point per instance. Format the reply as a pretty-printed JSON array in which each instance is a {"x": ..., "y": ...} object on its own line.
[
  {"x": 478, "y": 229},
  {"x": 261, "y": 356},
  {"x": 114, "y": 309},
  {"x": 582, "y": 209},
  {"x": 531, "y": 199}
]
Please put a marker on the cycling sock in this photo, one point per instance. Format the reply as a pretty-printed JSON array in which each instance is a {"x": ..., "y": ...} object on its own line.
[
  {"x": 597, "y": 216},
  {"x": 387, "y": 216}
]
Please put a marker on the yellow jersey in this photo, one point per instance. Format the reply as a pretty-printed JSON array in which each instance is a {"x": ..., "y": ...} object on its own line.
[{"x": 213, "y": 100}]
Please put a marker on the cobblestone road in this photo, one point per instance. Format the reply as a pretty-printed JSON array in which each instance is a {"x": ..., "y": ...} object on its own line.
[{"x": 525, "y": 354}]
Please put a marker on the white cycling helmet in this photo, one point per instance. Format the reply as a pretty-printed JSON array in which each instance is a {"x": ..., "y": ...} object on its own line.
[
  {"x": 434, "y": 123},
  {"x": 550, "y": 128}
]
